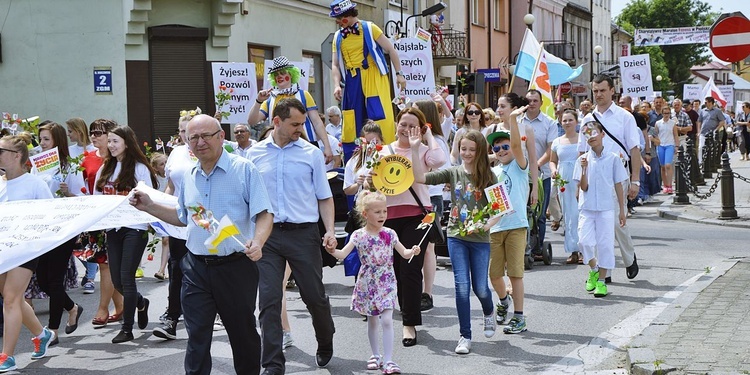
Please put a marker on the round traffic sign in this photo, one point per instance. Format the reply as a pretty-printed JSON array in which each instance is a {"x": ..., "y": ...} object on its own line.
[{"x": 730, "y": 39}]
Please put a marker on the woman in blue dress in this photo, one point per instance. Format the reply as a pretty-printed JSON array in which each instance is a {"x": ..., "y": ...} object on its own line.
[{"x": 562, "y": 161}]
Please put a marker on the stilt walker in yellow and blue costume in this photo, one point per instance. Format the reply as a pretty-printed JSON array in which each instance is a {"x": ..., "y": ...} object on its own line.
[{"x": 359, "y": 49}]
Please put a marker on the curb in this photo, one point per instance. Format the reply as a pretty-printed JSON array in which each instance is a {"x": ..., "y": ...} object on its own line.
[
  {"x": 641, "y": 359},
  {"x": 668, "y": 210}
]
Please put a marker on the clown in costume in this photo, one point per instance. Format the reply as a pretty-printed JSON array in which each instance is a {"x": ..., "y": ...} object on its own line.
[
  {"x": 359, "y": 49},
  {"x": 284, "y": 78}
]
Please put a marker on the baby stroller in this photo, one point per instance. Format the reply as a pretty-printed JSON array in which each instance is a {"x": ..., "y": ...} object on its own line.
[{"x": 535, "y": 250}]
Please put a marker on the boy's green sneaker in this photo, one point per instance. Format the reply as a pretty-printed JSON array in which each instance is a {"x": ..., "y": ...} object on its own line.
[
  {"x": 516, "y": 325},
  {"x": 592, "y": 280},
  {"x": 502, "y": 311},
  {"x": 601, "y": 289}
]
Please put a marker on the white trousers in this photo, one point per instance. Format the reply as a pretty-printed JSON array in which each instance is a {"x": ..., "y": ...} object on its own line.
[{"x": 596, "y": 237}]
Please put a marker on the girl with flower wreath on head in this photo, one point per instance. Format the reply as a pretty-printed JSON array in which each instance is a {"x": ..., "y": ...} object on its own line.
[
  {"x": 53, "y": 265},
  {"x": 17, "y": 184},
  {"x": 122, "y": 170},
  {"x": 180, "y": 161},
  {"x": 95, "y": 243},
  {"x": 469, "y": 248},
  {"x": 284, "y": 78}
]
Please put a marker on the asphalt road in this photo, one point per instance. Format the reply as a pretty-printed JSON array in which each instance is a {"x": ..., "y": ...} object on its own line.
[{"x": 568, "y": 329}]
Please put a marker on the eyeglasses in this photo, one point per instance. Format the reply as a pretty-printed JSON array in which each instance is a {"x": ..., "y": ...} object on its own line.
[
  {"x": 497, "y": 148},
  {"x": 204, "y": 137},
  {"x": 97, "y": 133},
  {"x": 240, "y": 131},
  {"x": 473, "y": 113},
  {"x": 6, "y": 150}
]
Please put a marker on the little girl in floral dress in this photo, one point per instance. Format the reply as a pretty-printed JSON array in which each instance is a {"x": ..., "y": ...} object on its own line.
[{"x": 375, "y": 290}]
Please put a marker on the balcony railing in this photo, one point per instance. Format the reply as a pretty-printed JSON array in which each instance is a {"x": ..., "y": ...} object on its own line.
[
  {"x": 562, "y": 49},
  {"x": 453, "y": 44}
]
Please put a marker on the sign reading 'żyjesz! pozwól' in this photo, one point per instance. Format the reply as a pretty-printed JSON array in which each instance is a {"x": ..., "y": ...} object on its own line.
[{"x": 636, "y": 75}]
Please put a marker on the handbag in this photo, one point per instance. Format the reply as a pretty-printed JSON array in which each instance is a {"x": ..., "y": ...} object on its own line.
[{"x": 435, "y": 235}]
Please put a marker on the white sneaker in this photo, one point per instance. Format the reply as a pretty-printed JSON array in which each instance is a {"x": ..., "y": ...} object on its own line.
[
  {"x": 288, "y": 341},
  {"x": 218, "y": 324},
  {"x": 489, "y": 326},
  {"x": 464, "y": 346}
]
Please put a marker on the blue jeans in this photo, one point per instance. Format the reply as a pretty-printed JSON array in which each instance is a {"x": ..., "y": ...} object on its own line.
[
  {"x": 542, "y": 221},
  {"x": 471, "y": 261}
]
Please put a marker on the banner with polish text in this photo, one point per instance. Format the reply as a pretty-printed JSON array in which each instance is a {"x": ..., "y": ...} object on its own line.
[{"x": 671, "y": 36}]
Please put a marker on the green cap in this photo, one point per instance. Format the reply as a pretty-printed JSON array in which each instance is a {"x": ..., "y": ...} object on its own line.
[{"x": 497, "y": 135}]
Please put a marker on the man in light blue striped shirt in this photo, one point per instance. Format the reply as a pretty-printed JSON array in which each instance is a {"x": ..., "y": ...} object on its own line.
[{"x": 227, "y": 281}]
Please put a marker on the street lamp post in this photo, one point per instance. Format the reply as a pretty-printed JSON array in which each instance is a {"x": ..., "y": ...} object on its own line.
[
  {"x": 404, "y": 24},
  {"x": 598, "y": 51},
  {"x": 529, "y": 19},
  {"x": 658, "y": 80}
]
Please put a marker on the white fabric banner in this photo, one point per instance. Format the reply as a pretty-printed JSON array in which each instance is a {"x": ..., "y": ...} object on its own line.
[
  {"x": 416, "y": 63},
  {"x": 31, "y": 228},
  {"x": 240, "y": 78},
  {"x": 636, "y": 75},
  {"x": 671, "y": 36},
  {"x": 163, "y": 229},
  {"x": 692, "y": 92}
]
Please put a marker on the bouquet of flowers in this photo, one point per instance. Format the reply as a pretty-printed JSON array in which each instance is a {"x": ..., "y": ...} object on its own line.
[
  {"x": 370, "y": 151},
  {"x": 401, "y": 101},
  {"x": 74, "y": 166},
  {"x": 559, "y": 182},
  {"x": 219, "y": 230},
  {"x": 474, "y": 223},
  {"x": 222, "y": 97}
]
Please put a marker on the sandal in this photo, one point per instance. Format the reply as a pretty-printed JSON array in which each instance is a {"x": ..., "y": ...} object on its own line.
[
  {"x": 555, "y": 226},
  {"x": 159, "y": 275},
  {"x": 580, "y": 258},
  {"x": 374, "y": 363},
  {"x": 391, "y": 368},
  {"x": 98, "y": 322},
  {"x": 114, "y": 318},
  {"x": 572, "y": 259}
]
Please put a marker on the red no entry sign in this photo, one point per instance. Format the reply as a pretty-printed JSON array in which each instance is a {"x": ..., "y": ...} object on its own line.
[{"x": 730, "y": 39}]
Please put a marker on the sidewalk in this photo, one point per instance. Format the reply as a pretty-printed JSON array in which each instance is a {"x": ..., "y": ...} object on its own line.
[{"x": 706, "y": 330}]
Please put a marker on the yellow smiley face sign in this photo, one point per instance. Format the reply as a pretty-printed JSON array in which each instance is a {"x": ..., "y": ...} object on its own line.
[{"x": 394, "y": 175}]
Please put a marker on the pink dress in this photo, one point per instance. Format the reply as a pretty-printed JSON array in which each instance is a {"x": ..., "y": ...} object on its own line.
[{"x": 375, "y": 290}]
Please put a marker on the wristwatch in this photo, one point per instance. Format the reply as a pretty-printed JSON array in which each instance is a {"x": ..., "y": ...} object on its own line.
[
  {"x": 400, "y": 73},
  {"x": 636, "y": 183}
]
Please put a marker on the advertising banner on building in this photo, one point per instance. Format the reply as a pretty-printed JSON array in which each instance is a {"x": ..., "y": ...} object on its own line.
[
  {"x": 416, "y": 62},
  {"x": 239, "y": 80},
  {"x": 671, "y": 36},
  {"x": 636, "y": 75}
]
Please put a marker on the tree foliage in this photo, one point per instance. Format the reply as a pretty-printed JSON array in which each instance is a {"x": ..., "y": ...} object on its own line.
[{"x": 673, "y": 63}]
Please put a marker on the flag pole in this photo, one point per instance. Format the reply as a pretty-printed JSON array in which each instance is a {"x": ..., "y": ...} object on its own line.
[
  {"x": 513, "y": 77},
  {"x": 536, "y": 66}
]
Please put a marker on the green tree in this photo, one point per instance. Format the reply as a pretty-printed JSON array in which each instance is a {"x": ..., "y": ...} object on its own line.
[{"x": 673, "y": 63}]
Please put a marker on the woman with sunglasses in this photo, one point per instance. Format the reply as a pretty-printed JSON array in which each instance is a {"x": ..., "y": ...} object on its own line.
[
  {"x": 95, "y": 242},
  {"x": 53, "y": 265},
  {"x": 125, "y": 166},
  {"x": 17, "y": 185},
  {"x": 473, "y": 119}
]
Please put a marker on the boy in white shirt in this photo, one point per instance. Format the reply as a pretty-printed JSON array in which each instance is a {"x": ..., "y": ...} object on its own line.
[{"x": 597, "y": 173}]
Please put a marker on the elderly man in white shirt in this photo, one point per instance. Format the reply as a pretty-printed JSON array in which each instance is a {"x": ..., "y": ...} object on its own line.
[
  {"x": 623, "y": 139},
  {"x": 334, "y": 123}
]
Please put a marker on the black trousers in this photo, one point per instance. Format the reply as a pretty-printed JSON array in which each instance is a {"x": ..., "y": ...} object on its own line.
[
  {"x": 125, "y": 249},
  {"x": 50, "y": 274},
  {"x": 409, "y": 275},
  {"x": 230, "y": 289},
  {"x": 301, "y": 248},
  {"x": 177, "y": 251}
]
